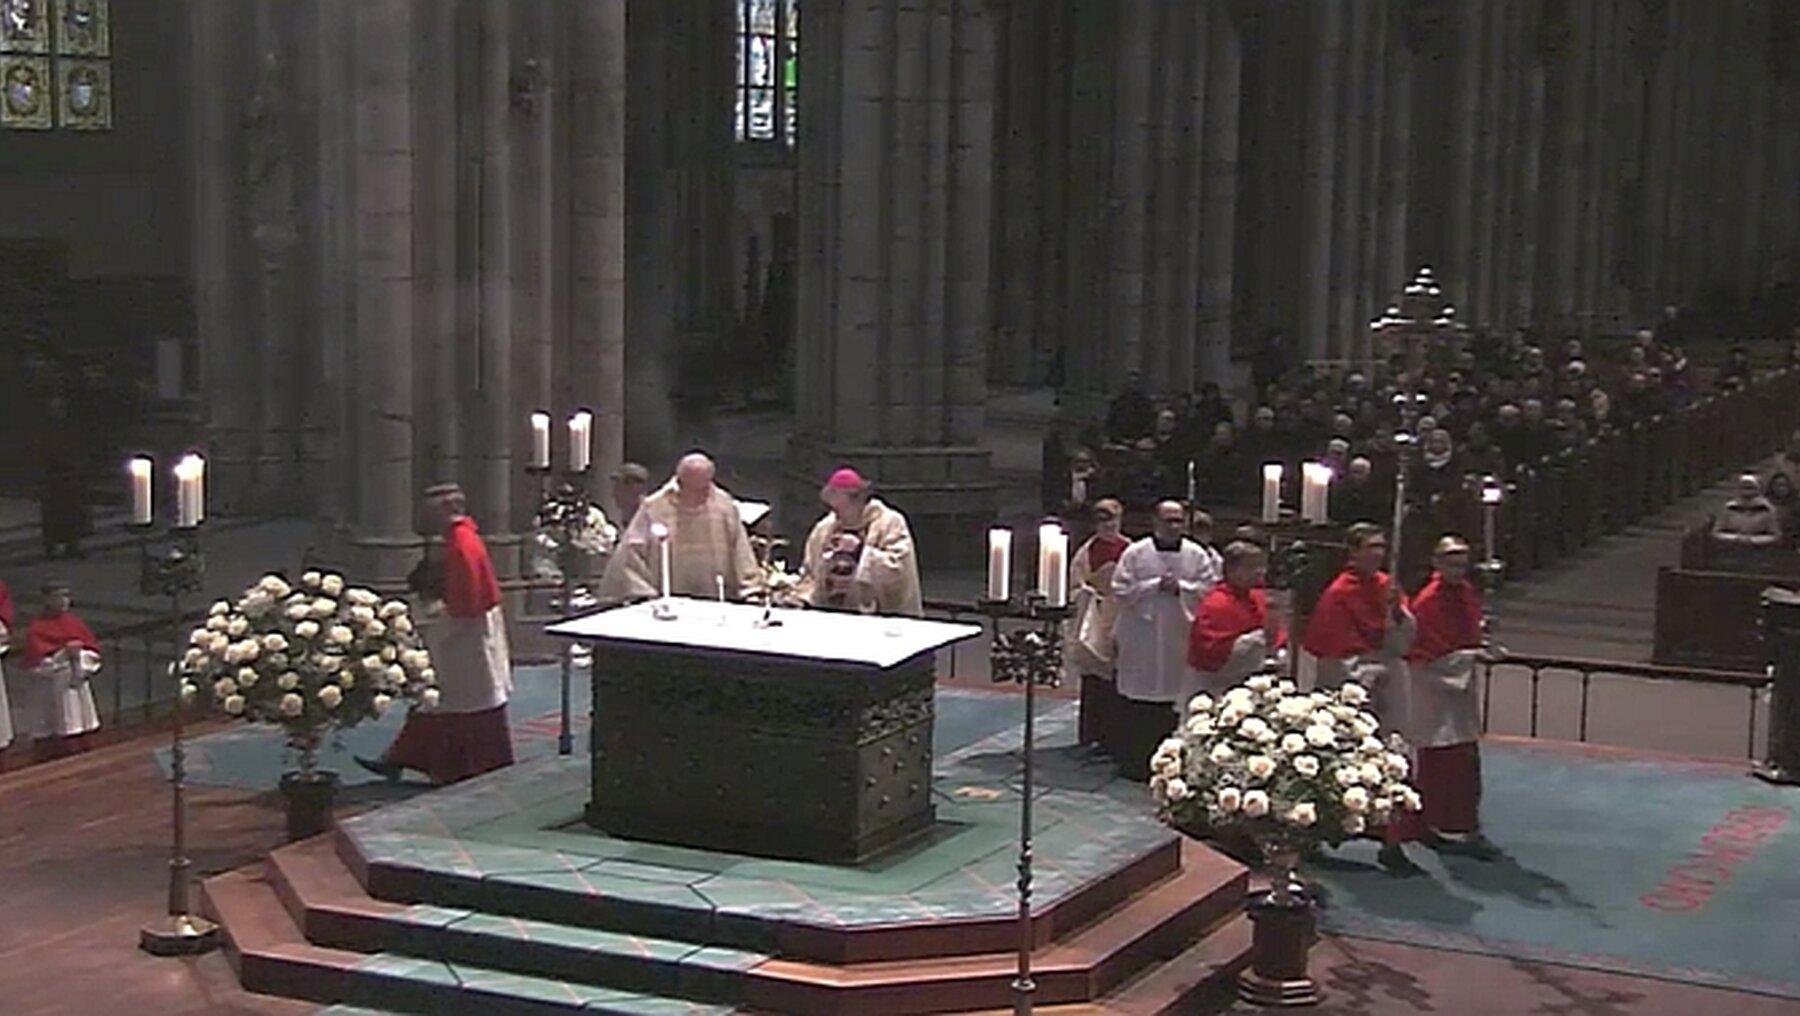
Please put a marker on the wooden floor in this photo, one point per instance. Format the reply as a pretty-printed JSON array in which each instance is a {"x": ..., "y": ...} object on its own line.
[{"x": 83, "y": 846}]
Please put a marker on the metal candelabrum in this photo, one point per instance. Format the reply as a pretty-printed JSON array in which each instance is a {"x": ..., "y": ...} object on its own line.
[
  {"x": 1033, "y": 658},
  {"x": 177, "y": 571},
  {"x": 559, "y": 509}
]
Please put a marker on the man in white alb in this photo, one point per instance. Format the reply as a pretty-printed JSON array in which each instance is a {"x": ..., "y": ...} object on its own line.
[{"x": 708, "y": 545}]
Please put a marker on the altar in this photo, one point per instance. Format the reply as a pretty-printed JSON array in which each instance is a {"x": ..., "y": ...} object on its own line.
[{"x": 807, "y": 739}]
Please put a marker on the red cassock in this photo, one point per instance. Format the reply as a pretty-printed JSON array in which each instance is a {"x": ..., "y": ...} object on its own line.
[
  {"x": 1103, "y": 550},
  {"x": 1225, "y": 615},
  {"x": 1351, "y": 617},
  {"x": 458, "y": 740},
  {"x": 48, "y": 635},
  {"x": 1448, "y": 772}
]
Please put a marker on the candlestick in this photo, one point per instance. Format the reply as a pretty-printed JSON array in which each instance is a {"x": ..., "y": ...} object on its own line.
[
  {"x": 1271, "y": 492},
  {"x": 1053, "y": 565},
  {"x": 540, "y": 440},
  {"x": 999, "y": 576},
  {"x": 661, "y": 532},
  {"x": 142, "y": 506},
  {"x": 581, "y": 441},
  {"x": 190, "y": 491},
  {"x": 1192, "y": 489}
]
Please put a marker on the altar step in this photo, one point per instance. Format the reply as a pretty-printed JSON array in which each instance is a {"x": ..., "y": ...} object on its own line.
[{"x": 305, "y": 927}]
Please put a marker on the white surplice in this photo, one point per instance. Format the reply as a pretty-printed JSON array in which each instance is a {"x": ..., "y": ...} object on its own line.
[
  {"x": 1442, "y": 708},
  {"x": 472, "y": 658},
  {"x": 1151, "y": 633},
  {"x": 63, "y": 697},
  {"x": 6, "y": 724}
]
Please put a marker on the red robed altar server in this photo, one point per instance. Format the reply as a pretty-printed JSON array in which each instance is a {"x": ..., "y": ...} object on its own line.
[
  {"x": 1233, "y": 635},
  {"x": 465, "y": 732},
  {"x": 1444, "y": 721},
  {"x": 58, "y": 658}
]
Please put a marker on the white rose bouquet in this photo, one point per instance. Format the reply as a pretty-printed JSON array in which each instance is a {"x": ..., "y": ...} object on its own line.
[
  {"x": 308, "y": 659},
  {"x": 1288, "y": 770},
  {"x": 570, "y": 531}
]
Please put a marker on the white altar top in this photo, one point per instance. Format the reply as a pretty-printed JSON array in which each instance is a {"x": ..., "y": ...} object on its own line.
[{"x": 803, "y": 634}]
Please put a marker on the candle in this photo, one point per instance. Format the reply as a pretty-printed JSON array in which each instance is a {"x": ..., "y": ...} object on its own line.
[
  {"x": 141, "y": 504},
  {"x": 719, "y": 582},
  {"x": 1271, "y": 492},
  {"x": 540, "y": 440},
  {"x": 1315, "y": 494},
  {"x": 1192, "y": 490},
  {"x": 661, "y": 533},
  {"x": 1053, "y": 565},
  {"x": 190, "y": 491},
  {"x": 999, "y": 576},
  {"x": 581, "y": 441}
]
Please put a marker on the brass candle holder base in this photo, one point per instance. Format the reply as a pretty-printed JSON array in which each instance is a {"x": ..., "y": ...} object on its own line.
[
  {"x": 179, "y": 935},
  {"x": 1259, "y": 990}
]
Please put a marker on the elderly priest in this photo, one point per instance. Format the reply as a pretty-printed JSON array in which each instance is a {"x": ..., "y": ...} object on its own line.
[
  {"x": 708, "y": 545},
  {"x": 859, "y": 557}
]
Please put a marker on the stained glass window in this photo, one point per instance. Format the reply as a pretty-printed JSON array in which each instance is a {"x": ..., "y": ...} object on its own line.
[
  {"x": 767, "y": 70},
  {"x": 55, "y": 64}
]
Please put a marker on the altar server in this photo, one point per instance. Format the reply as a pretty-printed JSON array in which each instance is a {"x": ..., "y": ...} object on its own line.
[
  {"x": 707, "y": 542},
  {"x": 1159, "y": 581},
  {"x": 860, "y": 557},
  {"x": 59, "y": 656},
  {"x": 1444, "y": 719},
  {"x": 6, "y": 623},
  {"x": 465, "y": 733},
  {"x": 1234, "y": 634},
  {"x": 1089, "y": 647}
]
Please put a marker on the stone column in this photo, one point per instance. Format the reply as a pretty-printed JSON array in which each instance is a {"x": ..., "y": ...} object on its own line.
[
  {"x": 1489, "y": 177},
  {"x": 1527, "y": 213},
  {"x": 1129, "y": 189},
  {"x": 381, "y": 355},
  {"x": 1659, "y": 73},
  {"x": 595, "y": 368},
  {"x": 1396, "y": 165},
  {"x": 1382, "y": 39},
  {"x": 1180, "y": 119},
  {"x": 1567, "y": 42},
  {"x": 896, "y": 152},
  {"x": 1320, "y": 182},
  {"x": 1465, "y": 127},
  {"x": 1346, "y": 239},
  {"x": 1597, "y": 138},
  {"x": 1219, "y": 167},
  {"x": 446, "y": 55}
]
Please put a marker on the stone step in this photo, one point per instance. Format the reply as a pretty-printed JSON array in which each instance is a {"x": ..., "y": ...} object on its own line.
[{"x": 327, "y": 908}]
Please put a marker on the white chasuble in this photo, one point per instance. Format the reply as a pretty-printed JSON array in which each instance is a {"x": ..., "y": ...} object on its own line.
[{"x": 886, "y": 579}]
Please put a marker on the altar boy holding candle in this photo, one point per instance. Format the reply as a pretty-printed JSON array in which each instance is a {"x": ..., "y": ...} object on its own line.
[
  {"x": 859, "y": 557},
  {"x": 60, "y": 655},
  {"x": 1159, "y": 582}
]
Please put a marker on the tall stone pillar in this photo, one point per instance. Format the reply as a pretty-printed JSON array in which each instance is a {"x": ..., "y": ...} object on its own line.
[
  {"x": 1316, "y": 199},
  {"x": 1489, "y": 180},
  {"x": 1568, "y": 43},
  {"x": 1527, "y": 213},
  {"x": 595, "y": 367},
  {"x": 1219, "y": 167},
  {"x": 1465, "y": 126},
  {"x": 1368, "y": 291},
  {"x": 1346, "y": 237},
  {"x": 1396, "y": 163},
  {"x": 381, "y": 356},
  {"x": 1596, "y": 174},
  {"x": 1659, "y": 74},
  {"x": 1130, "y": 186},
  {"x": 896, "y": 152}
]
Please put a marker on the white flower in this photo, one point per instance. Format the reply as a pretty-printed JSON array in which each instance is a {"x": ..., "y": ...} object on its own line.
[
  {"x": 403, "y": 625},
  {"x": 1320, "y": 737},
  {"x": 392, "y": 609},
  {"x": 331, "y": 696},
  {"x": 1361, "y": 729},
  {"x": 332, "y": 585},
  {"x": 1200, "y": 725},
  {"x": 1169, "y": 746},
  {"x": 292, "y": 705},
  {"x": 217, "y": 622},
  {"x": 1240, "y": 696},
  {"x": 1177, "y": 790},
  {"x": 234, "y": 705},
  {"x": 381, "y": 703},
  {"x": 200, "y": 637},
  {"x": 396, "y": 675},
  {"x": 249, "y": 649},
  {"x": 188, "y": 691},
  {"x": 1292, "y": 708},
  {"x": 1381, "y": 806},
  {"x": 274, "y": 586},
  {"x": 224, "y": 687},
  {"x": 346, "y": 680},
  {"x": 419, "y": 659},
  {"x": 1260, "y": 683},
  {"x": 1411, "y": 800},
  {"x": 1395, "y": 765},
  {"x": 1232, "y": 714},
  {"x": 1353, "y": 694},
  {"x": 275, "y": 642},
  {"x": 323, "y": 608},
  {"x": 1303, "y": 814},
  {"x": 1347, "y": 776},
  {"x": 428, "y": 676},
  {"x": 288, "y": 681},
  {"x": 1307, "y": 766},
  {"x": 236, "y": 627},
  {"x": 429, "y": 698},
  {"x": 310, "y": 580},
  {"x": 1356, "y": 799},
  {"x": 1371, "y": 746},
  {"x": 373, "y": 663},
  {"x": 306, "y": 630},
  {"x": 193, "y": 659},
  {"x": 362, "y": 615},
  {"x": 1260, "y": 766},
  {"x": 1370, "y": 773},
  {"x": 296, "y": 611},
  {"x": 375, "y": 629},
  {"x": 362, "y": 598},
  {"x": 1284, "y": 687},
  {"x": 219, "y": 607},
  {"x": 1354, "y": 825},
  {"x": 340, "y": 635},
  {"x": 1322, "y": 718},
  {"x": 1201, "y": 703},
  {"x": 246, "y": 677},
  {"x": 1254, "y": 728},
  {"x": 1230, "y": 799},
  {"x": 330, "y": 664},
  {"x": 1222, "y": 753},
  {"x": 389, "y": 654},
  {"x": 1293, "y": 743},
  {"x": 1256, "y": 803},
  {"x": 1343, "y": 714}
]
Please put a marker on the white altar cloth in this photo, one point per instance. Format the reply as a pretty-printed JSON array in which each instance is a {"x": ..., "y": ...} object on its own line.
[{"x": 829, "y": 636}]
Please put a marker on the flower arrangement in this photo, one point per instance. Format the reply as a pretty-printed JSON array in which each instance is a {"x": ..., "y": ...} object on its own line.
[
  {"x": 571, "y": 524},
  {"x": 307, "y": 659},
  {"x": 1027, "y": 655},
  {"x": 1288, "y": 770}
]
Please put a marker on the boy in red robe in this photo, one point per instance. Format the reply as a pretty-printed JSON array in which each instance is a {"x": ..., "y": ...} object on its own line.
[
  {"x": 1444, "y": 718},
  {"x": 464, "y": 731},
  {"x": 61, "y": 655},
  {"x": 1360, "y": 631},
  {"x": 1233, "y": 633}
]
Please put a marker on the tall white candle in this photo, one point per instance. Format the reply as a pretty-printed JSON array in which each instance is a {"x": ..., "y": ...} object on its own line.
[
  {"x": 1193, "y": 490},
  {"x": 581, "y": 441},
  {"x": 1053, "y": 566},
  {"x": 1271, "y": 492},
  {"x": 1314, "y": 495},
  {"x": 999, "y": 576},
  {"x": 661, "y": 533},
  {"x": 190, "y": 491},
  {"x": 540, "y": 440},
  {"x": 142, "y": 506},
  {"x": 719, "y": 583}
]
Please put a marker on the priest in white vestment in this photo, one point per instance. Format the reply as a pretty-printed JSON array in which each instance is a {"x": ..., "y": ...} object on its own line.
[
  {"x": 59, "y": 658},
  {"x": 860, "y": 556},
  {"x": 708, "y": 544},
  {"x": 1159, "y": 582}
]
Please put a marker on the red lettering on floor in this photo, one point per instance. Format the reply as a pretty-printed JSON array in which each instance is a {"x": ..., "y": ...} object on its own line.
[{"x": 1735, "y": 839}]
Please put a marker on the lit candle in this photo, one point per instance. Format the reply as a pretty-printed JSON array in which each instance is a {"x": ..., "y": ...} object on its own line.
[
  {"x": 540, "y": 440},
  {"x": 1053, "y": 565},
  {"x": 999, "y": 576},
  {"x": 661, "y": 533},
  {"x": 1271, "y": 492},
  {"x": 1192, "y": 490},
  {"x": 190, "y": 491},
  {"x": 581, "y": 441},
  {"x": 141, "y": 504},
  {"x": 719, "y": 582},
  {"x": 1315, "y": 495}
]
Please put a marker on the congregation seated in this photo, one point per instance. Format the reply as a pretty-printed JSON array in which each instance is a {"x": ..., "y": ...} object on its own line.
[{"x": 1748, "y": 518}]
